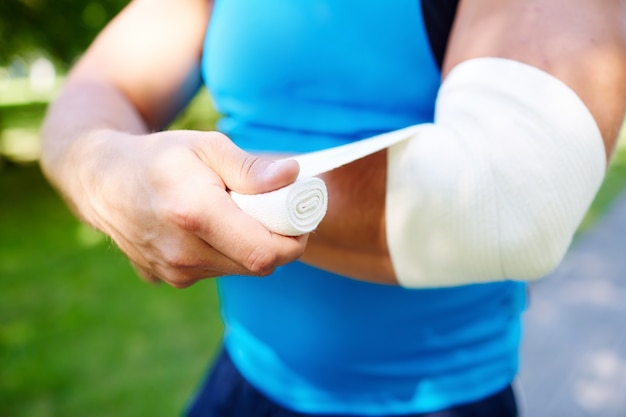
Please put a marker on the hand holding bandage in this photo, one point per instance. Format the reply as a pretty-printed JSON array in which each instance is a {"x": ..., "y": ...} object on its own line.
[
  {"x": 300, "y": 207},
  {"x": 496, "y": 187}
]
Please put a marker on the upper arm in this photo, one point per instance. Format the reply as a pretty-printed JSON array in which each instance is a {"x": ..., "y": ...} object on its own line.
[
  {"x": 581, "y": 42},
  {"x": 150, "y": 52}
]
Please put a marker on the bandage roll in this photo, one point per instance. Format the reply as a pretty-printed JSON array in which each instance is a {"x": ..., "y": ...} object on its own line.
[
  {"x": 290, "y": 211},
  {"x": 300, "y": 207}
]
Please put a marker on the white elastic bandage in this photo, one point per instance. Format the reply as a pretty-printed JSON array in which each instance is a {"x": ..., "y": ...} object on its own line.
[{"x": 498, "y": 185}]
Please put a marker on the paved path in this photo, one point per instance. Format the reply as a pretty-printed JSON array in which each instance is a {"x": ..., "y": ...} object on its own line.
[{"x": 574, "y": 351}]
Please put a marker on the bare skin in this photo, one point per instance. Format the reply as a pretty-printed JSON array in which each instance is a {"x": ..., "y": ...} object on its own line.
[{"x": 141, "y": 188}]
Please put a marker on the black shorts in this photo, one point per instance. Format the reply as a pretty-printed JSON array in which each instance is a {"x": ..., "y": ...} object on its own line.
[{"x": 225, "y": 393}]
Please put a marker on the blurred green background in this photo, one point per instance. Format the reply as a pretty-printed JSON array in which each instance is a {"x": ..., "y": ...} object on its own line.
[{"x": 80, "y": 334}]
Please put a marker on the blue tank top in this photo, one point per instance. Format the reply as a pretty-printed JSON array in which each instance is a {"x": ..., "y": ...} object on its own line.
[{"x": 301, "y": 75}]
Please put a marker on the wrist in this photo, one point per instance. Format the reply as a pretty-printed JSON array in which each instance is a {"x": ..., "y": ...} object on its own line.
[{"x": 80, "y": 173}]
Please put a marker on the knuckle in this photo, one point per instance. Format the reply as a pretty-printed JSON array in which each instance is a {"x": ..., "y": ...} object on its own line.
[
  {"x": 178, "y": 279},
  {"x": 220, "y": 138},
  {"x": 261, "y": 262},
  {"x": 299, "y": 251},
  {"x": 247, "y": 165},
  {"x": 176, "y": 259},
  {"x": 215, "y": 137},
  {"x": 176, "y": 266},
  {"x": 184, "y": 218},
  {"x": 298, "y": 245},
  {"x": 182, "y": 284}
]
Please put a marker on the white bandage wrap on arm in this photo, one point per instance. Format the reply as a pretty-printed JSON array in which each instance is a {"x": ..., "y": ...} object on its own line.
[{"x": 496, "y": 187}]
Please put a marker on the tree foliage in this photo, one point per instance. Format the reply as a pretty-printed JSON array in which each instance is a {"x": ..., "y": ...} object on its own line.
[{"x": 62, "y": 29}]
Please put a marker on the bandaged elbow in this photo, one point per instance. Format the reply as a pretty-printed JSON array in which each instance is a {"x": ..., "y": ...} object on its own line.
[{"x": 497, "y": 186}]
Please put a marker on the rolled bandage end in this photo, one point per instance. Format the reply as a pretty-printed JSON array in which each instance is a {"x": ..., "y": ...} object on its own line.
[{"x": 293, "y": 210}]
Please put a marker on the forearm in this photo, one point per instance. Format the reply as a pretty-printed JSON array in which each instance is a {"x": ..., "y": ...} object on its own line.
[
  {"x": 67, "y": 140},
  {"x": 134, "y": 78},
  {"x": 351, "y": 240}
]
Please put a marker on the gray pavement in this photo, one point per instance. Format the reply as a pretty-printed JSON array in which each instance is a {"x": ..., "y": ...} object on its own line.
[{"x": 574, "y": 347}]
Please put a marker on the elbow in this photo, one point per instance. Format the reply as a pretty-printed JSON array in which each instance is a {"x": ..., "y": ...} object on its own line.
[
  {"x": 534, "y": 248},
  {"x": 477, "y": 250}
]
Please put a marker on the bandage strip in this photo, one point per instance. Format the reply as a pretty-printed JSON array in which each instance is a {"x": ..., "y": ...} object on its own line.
[{"x": 300, "y": 207}]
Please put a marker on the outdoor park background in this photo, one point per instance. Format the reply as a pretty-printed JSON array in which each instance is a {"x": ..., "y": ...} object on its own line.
[{"x": 80, "y": 334}]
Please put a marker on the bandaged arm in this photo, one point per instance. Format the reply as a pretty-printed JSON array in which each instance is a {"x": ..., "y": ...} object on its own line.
[
  {"x": 580, "y": 43},
  {"x": 496, "y": 187}
]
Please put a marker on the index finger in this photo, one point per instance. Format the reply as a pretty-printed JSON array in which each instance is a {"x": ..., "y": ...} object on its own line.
[{"x": 216, "y": 219}]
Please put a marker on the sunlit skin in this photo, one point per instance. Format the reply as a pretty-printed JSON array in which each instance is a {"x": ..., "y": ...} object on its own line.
[{"x": 142, "y": 188}]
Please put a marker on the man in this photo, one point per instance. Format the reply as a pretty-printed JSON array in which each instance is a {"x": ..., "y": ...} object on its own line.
[{"x": 382, "y": 315}]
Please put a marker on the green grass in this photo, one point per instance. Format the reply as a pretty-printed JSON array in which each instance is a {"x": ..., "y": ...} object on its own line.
[{"x": 80, "y": 334}]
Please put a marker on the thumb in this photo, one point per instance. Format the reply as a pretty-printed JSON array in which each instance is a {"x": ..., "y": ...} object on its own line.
[{"x": 250, "y": 174}]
